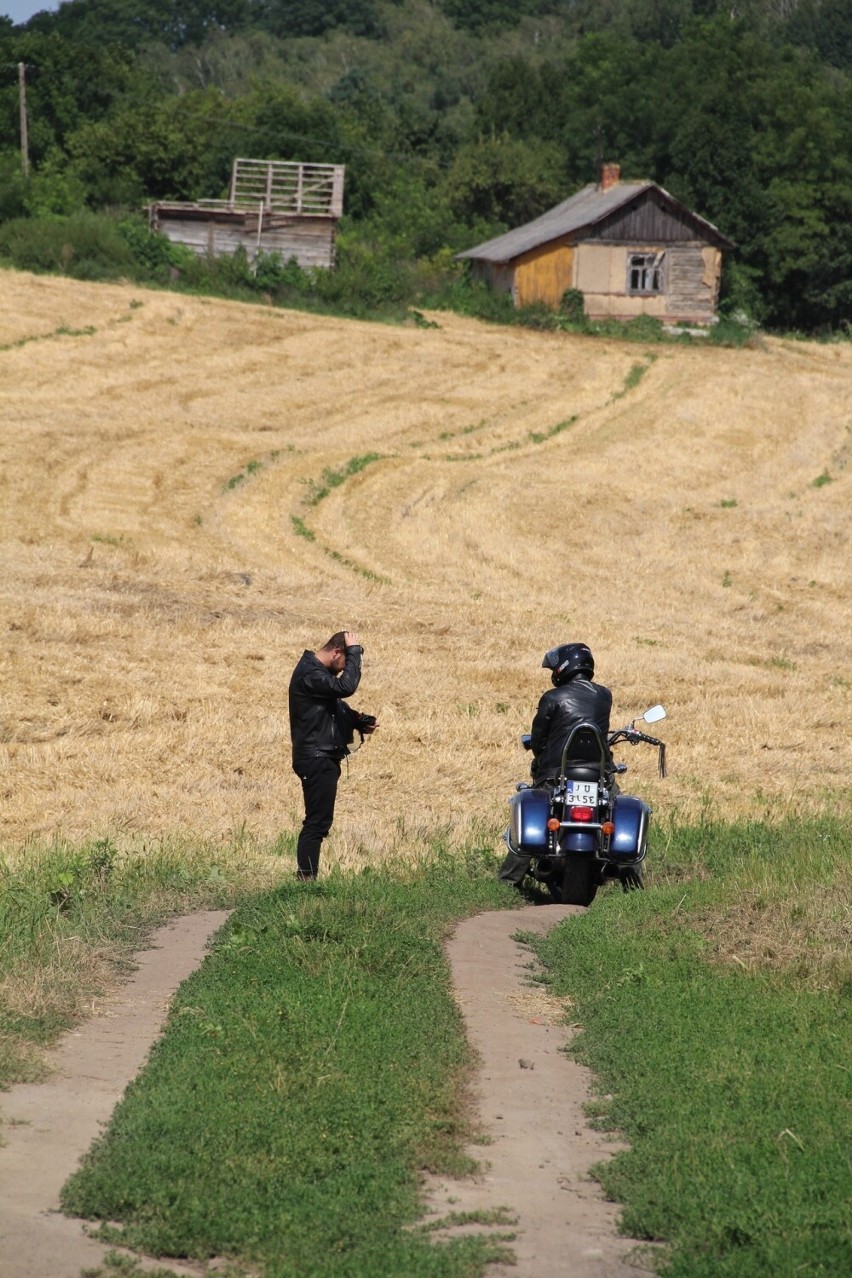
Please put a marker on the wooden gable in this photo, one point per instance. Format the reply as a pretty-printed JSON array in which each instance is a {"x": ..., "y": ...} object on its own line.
[{"x": 652, "y": 219}]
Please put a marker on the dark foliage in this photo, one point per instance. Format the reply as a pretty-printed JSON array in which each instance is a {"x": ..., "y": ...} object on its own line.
[
  {"x": 290, "y": 18},
  {"x": 457, "y": 120}
]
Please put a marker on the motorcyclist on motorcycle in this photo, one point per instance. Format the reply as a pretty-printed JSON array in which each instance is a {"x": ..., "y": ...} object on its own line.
[{"x": 574, "y": 699}]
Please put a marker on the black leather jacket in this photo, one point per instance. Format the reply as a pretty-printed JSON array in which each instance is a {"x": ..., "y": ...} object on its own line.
[
  {"x": 559, "y": 711},
  {"x": 320, "y": 721}
]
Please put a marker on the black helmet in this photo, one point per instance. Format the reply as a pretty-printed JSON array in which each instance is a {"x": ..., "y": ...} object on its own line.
[{"x": 567, "y": 660}]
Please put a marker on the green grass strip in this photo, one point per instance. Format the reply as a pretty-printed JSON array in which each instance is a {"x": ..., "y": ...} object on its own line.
[
  {"x": 70, "y": 920},
  {"x": 728, "y": 1076},
  {"x": 331, "y": 478},
  {"x": 310, "y": 1068}
]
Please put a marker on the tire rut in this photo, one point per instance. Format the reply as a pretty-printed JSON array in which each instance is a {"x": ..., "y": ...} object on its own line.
[
  {"x": 530, "y": 1097},
  {"x": 49, "y": 1126}
]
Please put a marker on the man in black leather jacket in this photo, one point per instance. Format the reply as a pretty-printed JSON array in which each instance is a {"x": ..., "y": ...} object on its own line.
[
  {"x": 321, "y": 729},
  {"x": 572, "y": 700}
]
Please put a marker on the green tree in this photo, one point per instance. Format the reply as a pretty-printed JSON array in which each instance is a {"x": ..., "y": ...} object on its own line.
[
  {"x": 67, "y": 85},
  {"x": 161, "y": 148},
  {"x": 12, "y": 186},
  {"x": 478, "y": 15},
  {"x": 763, "y": 150},
  {"x": 136, "y": 22},
  {"x": 826, "y": 27},
  {"x": 291, "y": 18},
  {"x": 502, "y": 180}
]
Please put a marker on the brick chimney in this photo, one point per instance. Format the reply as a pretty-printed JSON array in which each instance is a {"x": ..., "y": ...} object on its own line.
[{"x": 610, "y": 176}]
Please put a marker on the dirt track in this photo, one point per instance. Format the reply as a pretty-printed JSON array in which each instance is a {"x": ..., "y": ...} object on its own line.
[
  {"x": 529, "y": 1095},
  {"x": 530, "y": 1098},
  {"x": 49, "y": 1126}
]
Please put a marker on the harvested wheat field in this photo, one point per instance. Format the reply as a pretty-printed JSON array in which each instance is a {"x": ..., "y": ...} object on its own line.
[{"x": 193, "y": 491}]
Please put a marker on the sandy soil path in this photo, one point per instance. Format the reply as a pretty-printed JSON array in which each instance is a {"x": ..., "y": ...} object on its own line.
[
  {"x": 49, "y": 1126},
  {"x": 530, "y": 1098},
  {"x": 529, "y": 1094}
]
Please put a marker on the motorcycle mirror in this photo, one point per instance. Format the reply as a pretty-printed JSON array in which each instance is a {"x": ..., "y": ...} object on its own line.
[{"x": 654, "y": 715}]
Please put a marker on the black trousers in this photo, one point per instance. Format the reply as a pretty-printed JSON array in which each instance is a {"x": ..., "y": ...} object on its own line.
[
  {"x": 515, "y": 868},
  {"x": 319, "y": 777}
]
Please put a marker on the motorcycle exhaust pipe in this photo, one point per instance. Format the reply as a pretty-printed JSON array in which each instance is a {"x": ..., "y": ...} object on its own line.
[{"x": 544, "y": 868}]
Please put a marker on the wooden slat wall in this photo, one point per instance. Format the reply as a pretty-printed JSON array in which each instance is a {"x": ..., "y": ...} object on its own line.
[
  {"x": 645, "y": 223},
  {"x": 544, "y": 274},
  {"x": 310, "y": 241},
  {"x": 689, "y": 290},
  {"x": 287, "y": 187}
]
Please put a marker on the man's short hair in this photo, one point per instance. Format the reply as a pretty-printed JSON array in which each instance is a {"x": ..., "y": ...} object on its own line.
[{"x": 337, "y": 640}]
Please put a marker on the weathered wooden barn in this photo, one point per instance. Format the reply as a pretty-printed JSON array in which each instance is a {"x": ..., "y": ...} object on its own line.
[
  {"x": 629, "y": 247},
  {"x": 274, "y": 206}
]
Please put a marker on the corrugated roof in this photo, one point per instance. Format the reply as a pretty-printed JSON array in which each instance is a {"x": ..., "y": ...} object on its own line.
[{"x": 588, "y": 206}]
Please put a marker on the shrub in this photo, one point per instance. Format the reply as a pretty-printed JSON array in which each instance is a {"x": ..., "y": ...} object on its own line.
[
  {"x": 12, "y": 187},
  {"x": 154, "y": 254},
  {"x": 573, "y": 306},
  {"x": 470, "y": 297},
  {"x": 537, "y": 315},
  {"x": 85, "y": 245}
]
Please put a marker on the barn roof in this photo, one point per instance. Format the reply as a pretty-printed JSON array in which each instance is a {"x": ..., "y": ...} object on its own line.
[{"x": 587, "y": 207}]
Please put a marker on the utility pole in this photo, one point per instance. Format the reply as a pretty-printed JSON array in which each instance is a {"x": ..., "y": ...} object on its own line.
[{"x": 22, "y": 98}]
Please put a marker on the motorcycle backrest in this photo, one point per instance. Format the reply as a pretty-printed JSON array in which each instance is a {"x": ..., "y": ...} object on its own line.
[{"x": 584, "y": 746}]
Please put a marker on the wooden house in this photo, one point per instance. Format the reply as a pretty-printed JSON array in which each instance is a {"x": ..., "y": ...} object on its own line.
[
  {"x": 630, "y": 248},
  {"x": 274, "y": 206}
]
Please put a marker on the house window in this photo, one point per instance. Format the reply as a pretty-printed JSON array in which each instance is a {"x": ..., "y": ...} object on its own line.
[{"x": 645, "y": 272}]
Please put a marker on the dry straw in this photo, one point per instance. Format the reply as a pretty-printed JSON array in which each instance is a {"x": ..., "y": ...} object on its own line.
[{"x": 168, "y": 553}]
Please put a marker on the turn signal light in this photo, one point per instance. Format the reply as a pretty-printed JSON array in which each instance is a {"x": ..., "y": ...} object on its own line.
[
  {"x": 608, "y": 828},
  {"x": 553, "y": 823},
  {"x": 582, "y": 814}
]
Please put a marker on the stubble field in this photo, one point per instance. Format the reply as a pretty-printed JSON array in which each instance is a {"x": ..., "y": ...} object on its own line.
[{"x": 193, "y": 491}]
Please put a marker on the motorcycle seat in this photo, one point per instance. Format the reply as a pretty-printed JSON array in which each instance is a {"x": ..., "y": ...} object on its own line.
[{"x": 582, "y": 771}]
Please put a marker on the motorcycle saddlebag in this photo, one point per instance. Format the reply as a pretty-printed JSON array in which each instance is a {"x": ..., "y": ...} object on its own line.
[
  {"x": 528, "y": 813},
  {"x": 630, "y": 816}
]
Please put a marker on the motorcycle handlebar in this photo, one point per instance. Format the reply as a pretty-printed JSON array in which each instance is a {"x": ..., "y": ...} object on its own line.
[{"x": 634, "y": 736}]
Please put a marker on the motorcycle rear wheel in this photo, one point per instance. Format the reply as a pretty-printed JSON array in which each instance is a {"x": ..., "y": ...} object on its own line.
[{"x": 580, "y": 884}]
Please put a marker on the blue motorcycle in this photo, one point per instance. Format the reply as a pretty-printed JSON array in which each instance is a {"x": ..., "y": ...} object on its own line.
[{"x": 582, "y": 830}]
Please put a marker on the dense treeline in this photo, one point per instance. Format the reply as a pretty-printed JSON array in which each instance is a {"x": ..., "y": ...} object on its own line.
[{"x": 455, "y": 119}]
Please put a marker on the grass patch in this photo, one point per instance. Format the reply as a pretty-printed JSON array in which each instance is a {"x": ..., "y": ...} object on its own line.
[
  {"x": 317, "y": 491},
  {"x": 301, "y": 529},
  {"x": 69, "y": 920},
  {"x": 634, "y": 376},
  {"x": 713, "y": 1016},
  {"x": 345, "y": 562},
  {"x": 251, "y": 468},
  {"x": 539, "y": 437},
  {"x": 241, "y": 476},
  {"x": 310, "y": 1068},
  {"x": 316, "y": 1062},
  {"x": 62, "y": 331}
]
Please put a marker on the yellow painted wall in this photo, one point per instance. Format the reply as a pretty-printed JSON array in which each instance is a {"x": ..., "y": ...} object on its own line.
[{"x": 544, "y": 274}]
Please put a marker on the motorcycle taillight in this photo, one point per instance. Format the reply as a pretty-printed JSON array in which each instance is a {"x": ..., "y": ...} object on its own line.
[{"x": 582, "y": 814}]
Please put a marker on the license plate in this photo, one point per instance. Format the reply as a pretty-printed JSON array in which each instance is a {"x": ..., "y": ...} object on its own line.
[{"x": 583, "y": 794}]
